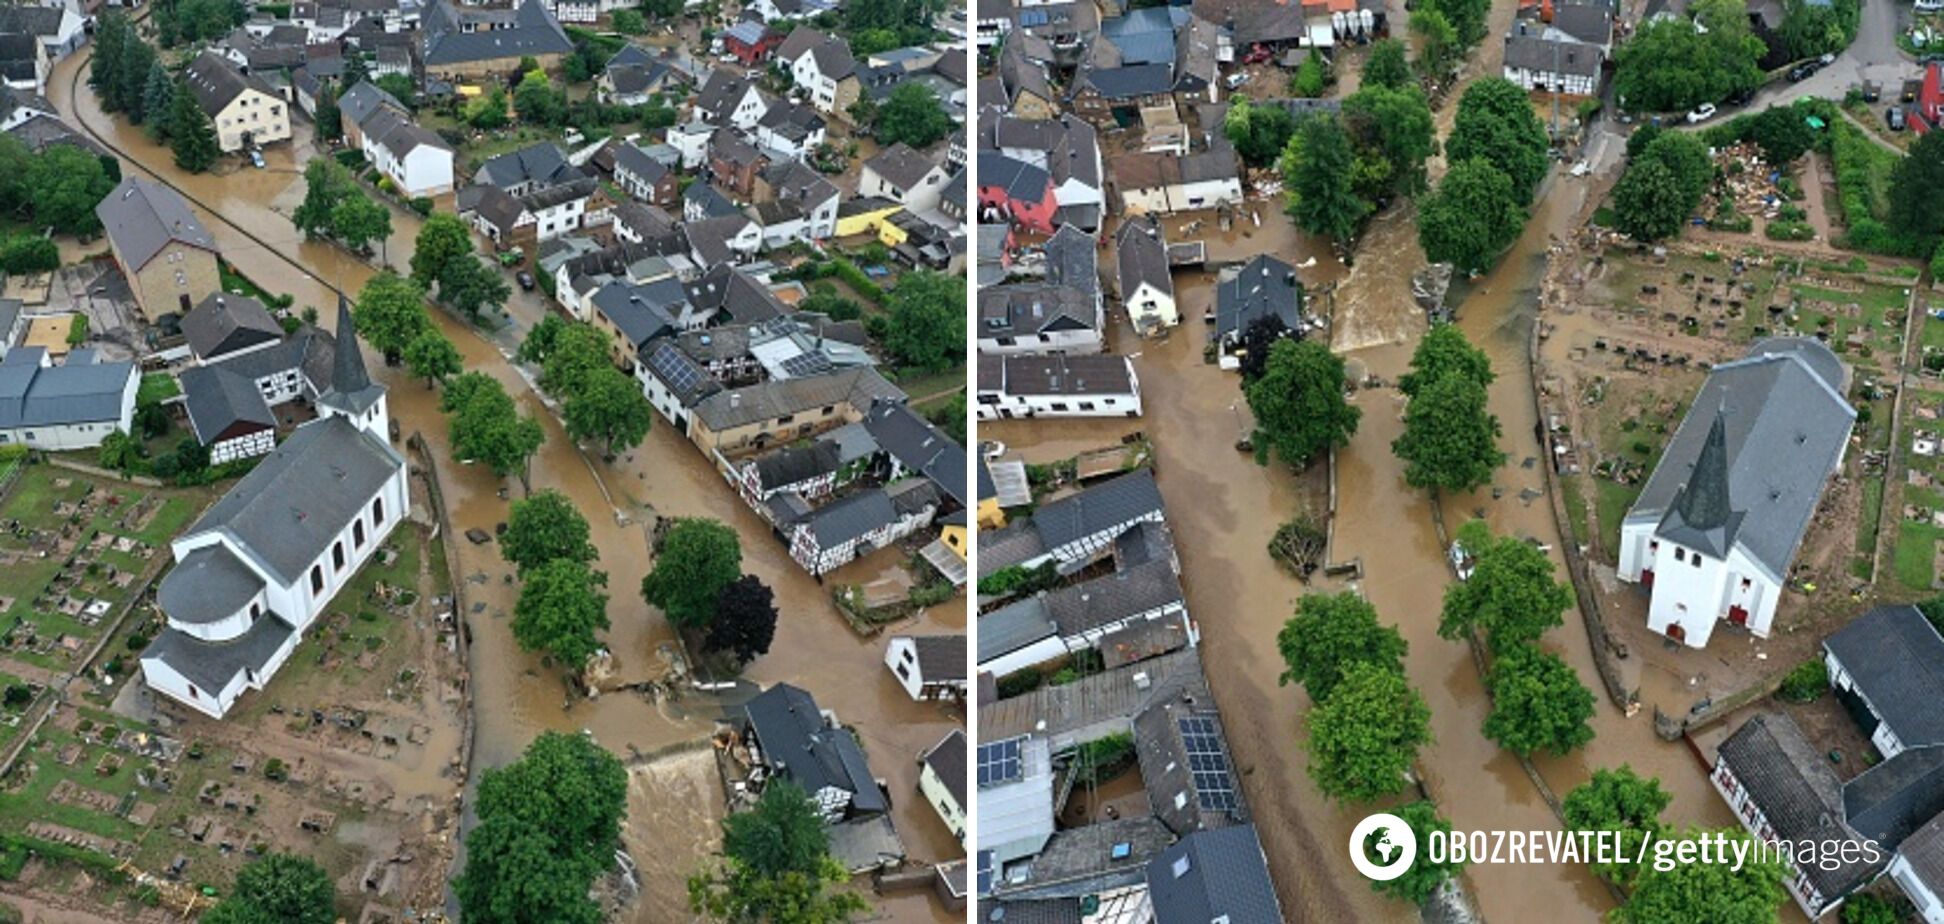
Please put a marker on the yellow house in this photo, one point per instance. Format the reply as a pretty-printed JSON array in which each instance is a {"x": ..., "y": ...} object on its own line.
[
  {"x": 166, "y": 253},
  {"x": 990, "y": 516},
  {"x": 953, "y": 533},
  {"x": 867, "y": 215},
  {"x": 246, "y": 111},
  {"x": 778, "y": 411}
]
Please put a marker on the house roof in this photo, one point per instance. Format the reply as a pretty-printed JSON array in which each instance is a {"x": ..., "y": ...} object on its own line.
[
  {"x": 632, "y": 159},
  {"x": 1265, "y": 287},
  {"x": 1071, "y": 145},
  {"x": 364, "y": 99},
  {"x": 395, "y": 131},
  {"x": 793, "y": 464},
  {"x": 207, "y": 585},
  {"x": 941, "y": 658},
  {"x": 1095, "y": 858},
  {"x": 1924, "y": 851},
  {"x": 1890, "y": 801},
  {"x": 543, "y": 163},
  {"x": 213, "y": 666},
  {"x": 734, "y": 293},
  {"x": 216, "y": 82},
  {"x": 1141, "y": 255},
  {"x": 1056, "y": 375},
  {"x": 772, "y": 399},
  {"x": 223, "y": 323},
  {"x": 947, "y": 758},
  {"x": 1545, "y": 55},
  {"x": 1013, "y": 627},
  {"x": 1073, "y": 259},
  {"x": 748, "y": 32},
  {"x": 674, "y": 369},
  {"x": 799, "y": 744},
  {"x": 302, "y": 496},
  {"x": 218, "y": 399},
  {"x": 721, "y": 93},
  {"x": 310, "y": 350},
  {"x": 1128, "y": 81},
  {"x": 78, "y": 391},
  {"x": 533, "y": 31},
  {"x": 640, "y": 312},
  {"x": 1794, "y": 786},
  {"x": 1784, "y": 425},
  {"x": 1015, "y": 780},
  {"x": 1218, "y": 875},
  {"x": 1108, "y": 505},
  {"x": 142, "y": 217},
  {"x": 902, "y": 166},
  {"x": 1021, "y": 181},
  {"x": 1096, "y": 705},
  {"x": 711, "y": 237},
  {"x": 851, "y": 517},
  {"x": 1081, "y": 608},
  {"x": 1146, "y": 35},
  {"x": 1187, "y": 767},
  {"x": 1895, "y": 660},
  {"x": 918, "y": 446},
  {"x": 1586, "y": 22}
]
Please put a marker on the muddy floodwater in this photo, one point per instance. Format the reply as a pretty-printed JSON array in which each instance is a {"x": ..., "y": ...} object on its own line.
[{"x": 515, "y": 696}]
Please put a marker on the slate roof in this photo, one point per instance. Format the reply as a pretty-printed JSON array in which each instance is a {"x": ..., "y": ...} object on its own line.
[
  {"x": 1073, "y": 259},
  {"x": 735, "y": 293},
  {"x": 362, "y": 100},
  {"x": 302, "y": 496},
  {"x": 947, "y": 757},
  {"x": 208, "y": 585},
  {"x": 1785, "y": 424},
  {"x": 1105, "y": 600},
  {"x": 720, "y": 94},
  {"x": 798, "y": 744},
  {"x": 1083, "y": 860},
  {"x": 212, "y": 666},
  {"x": 902, "y": 166},
  {"x": 1021, "y": 181},
  {"x": 543, "y": 163},
  {"x": 687, "y": 381},
  {"x": 1146, "y": 35},
  {"x": 632, "y": 159},
  {"x": 223, "y": 323},
  {"x": 1189, "y": 774},
  {"x": 142, "y": 217},
  {"x": 1014, "y": 626},
  {"x": 20, "y": 57},
  {"x": 395, "y": 130},
  {"x": 793, "y": 464},
  {"x": 1586, "y": 22},
  {"x": 1266, "y": 286},
  {"x": 1546, "y": 56},
  {"x": 1891, "y": 800},
  {"x": 351, "y": 390},
  {"x": 218, "y": 399},
  {"x": 640, "y": 312},
  {"x": 1071, "y": 145},
  {"x": 533, "y": 32},
  {"x": 1129, "y": 81},
  {"x": 770, "y": 400},
  {"x": 851, "y": 517},
  {"x": 1924, "y": 851},
  {"x": 310, "y": 350},
  {"x": 1796, "y": 790},
  {"x": 1141, "y": 255},
  {"x": 216, "y": 82},
  {"x": 1104, "y": 506},
  {"x": 77, "y": 391},
  {"x": 1056, "y": 375},
  {"x": 1895, "y": 660},
  {"x": 1213, "y": 876},
  {"x": 941, "y": 658},
  {"x": 919, "y": 447}
]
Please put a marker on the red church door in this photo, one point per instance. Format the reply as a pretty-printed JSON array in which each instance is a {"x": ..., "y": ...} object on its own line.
[
  {"x": 1675, "y": 632},
  {"x": 1647, "y": 578},
  {"x": 1738, "y": 615}
]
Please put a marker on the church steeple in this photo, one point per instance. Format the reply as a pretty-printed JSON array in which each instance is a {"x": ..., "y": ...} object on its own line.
[
  {"x": 352, "y": 393},
  {"x": 1703, "y": 501}
]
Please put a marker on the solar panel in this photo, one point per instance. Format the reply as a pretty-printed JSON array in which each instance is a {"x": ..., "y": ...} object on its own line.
[
  {"x": 987, "y": 874},
  {"x": 804, "y": 365},
  {"x": 675, "y": 369},
  {"x": 1000, "y": 762},
  {"x": 1208, "y": 764}
]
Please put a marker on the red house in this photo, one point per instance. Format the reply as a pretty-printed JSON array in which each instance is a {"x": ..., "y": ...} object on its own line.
[
  {"x": 1016, "y": 190},
  {"x": 750, "y": 42},
  {"x": 1930, "y": 101}
]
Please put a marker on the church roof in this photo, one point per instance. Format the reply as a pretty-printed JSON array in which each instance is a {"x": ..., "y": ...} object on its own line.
[{"x": 352, "y": 390}]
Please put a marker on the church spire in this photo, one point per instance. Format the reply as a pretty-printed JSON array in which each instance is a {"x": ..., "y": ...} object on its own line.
[
  {"x": 352, "y": 393},
  {"x": 1703, "y": 501}
]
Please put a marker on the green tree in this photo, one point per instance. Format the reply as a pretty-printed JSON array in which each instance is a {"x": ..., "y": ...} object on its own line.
[
  {"x": 30, "y": 253},
  {"x": 137, "y": 60},
  {"x": 609, "y": 407},
  {"x": 64, "y": 183},
  {"x": 391, "y": 312},
  {"x": 1865, "y": 908},
  {"x": 401, "y": 87},
  {"x": 1715, "y": 892},
  {"x": 431, "y": 356},
  {"x": 926, "y": 328},
  {"x": 1538, "y": 703},
  {"x": 278, "y": 888},
  {"x": 744, "y": 623},
  {"x": 1496, "y": 123},
  {"x": 1915, "y": 211},
  {"x": 1686, "y": 157},
  {"x": 540, "y": 340},
  {"x": 1424, "y": 877},
  {"x": 326, "y": 183},
  {"x": 697, "y": 559},
  {"x": 1647, "y": 202},
  {"x": 1621, "y": 801},
  {"x": 776, "y": 866},
  {"x": 1386, "y": 66},
  {"x": 1467, "y": 18},
  {"x": 575, "y": 352},
  {"x": 516, "y": 874},
  {"x": 487, "y": 111},
  {"x": 105, "y": 69},
  {"x": 1299, "y": 403},
  {"x": 1642, "y": 137},
  {"x": 120, "y": 451},
  {"x": 911, "y": 114},
  {"x": 1511, "y": 595},
  {"x": 1782, "y": 132},
  {"x": 1670, "y": 66},
  {"x": 629, "y": 22},
  {"x": 1316, "y": 169},
  {"x": 358, "y": 221},
  {"x": 1450, "y": 439},
  {"x": 1259, "y": 132},
  {"x": 1438, "y": 48},
  {"x": 1364, "y": 738},
  {"x": 1445, "y": 351},
  {"x": 1312, "y": 77},
  {"x": 330, "y": 119},
  {"x": 485, "y": 426},
  {"x": 1393, "y": 134},
  {"x": 548, "y": 824},
  {"x": 560, "y": 608},
  {"x": 158, "y": 100},
  {"x": 1471, "y": 218},
  {"x": 545, "y": 527},
  {"x": 471, "y": 287},
  {"x": 442, "y": 239},
  {"x": 1329, "y": 634},
  {"x": 539, "y": 101},
  {"x": 192, "y": 137}
]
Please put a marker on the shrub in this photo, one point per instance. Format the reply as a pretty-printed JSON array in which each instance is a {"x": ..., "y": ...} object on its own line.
[
  {"x": 1790, "y": 231},
  {"x": 1937, "y": 265},
  {"x": 29, "y": 253},
  {"x": 352, "y": 158},
  {"x": 422, "y": 205},
  {"x": 1806, "y": 683},
  {"x": 1021, "y": 682}
]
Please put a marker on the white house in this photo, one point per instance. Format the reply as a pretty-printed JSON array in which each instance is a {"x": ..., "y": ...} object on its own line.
[
  {"x": 822, "y": 66},
  {"x": 856, "y": 525},
  {"x": 1020, "y": 385},
  {"x": 941, "y": 780},
  {"x": 691, "y": 139},
  {"x": 74, "y": 405},
  {"x": 727, "y": 100},
  {"x": 928, "y": 666},
  {"x": 267, "y": 558},
  {"x": 1146, "y": 277},
  {"x": 903, "y": 175},
  {"x": 1565, "y": 54},
  {"x": 417, "y": 160},
  {"x": 1918, "y": 869},
  {"x": 1714, "y": 532},
  {"x": 246, "y": 111},
  {"x": 1162, "y": 183}
]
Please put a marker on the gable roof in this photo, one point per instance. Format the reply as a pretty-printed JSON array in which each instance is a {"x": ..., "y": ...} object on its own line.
[
  {"x": 218, "y": 399},
  {"x": 1890, "y": 801},
  {"x": 1104, "y": 506},
  {"x": 1084, "y": 607},
  {"x": 141, "y": 217},
  {"x": 533, "y": 31},
  {"x": 1021, "y": 181},
  {"x": 543, "y": 162},
  {"x": 363, "y": 99},
  {"x": 902, "y": 166},
  {"x": 216, "y": 82},
  {"x": 1797, "y": 792},
  {"x": 800, "y": 745},
  {"x": 1895, "y": 661},
  {"x": 77, "y": 391},
  {"x": 1218, "y": 875},
  {"x": 224, "y": 323},
  {"x": 1265, "y": 287},
  {"x": 947, "y": 757},
  {"x": 1141, "y": 256},
  {"x": 772, "y": 399},
  {"x": 918, "y": 446}
]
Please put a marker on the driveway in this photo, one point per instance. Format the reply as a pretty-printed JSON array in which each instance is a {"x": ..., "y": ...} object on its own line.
[{"x": 1873, "y": 56}]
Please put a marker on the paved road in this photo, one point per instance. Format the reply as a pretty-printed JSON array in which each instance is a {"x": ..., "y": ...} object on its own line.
[{"x": 1873, "y": 56}]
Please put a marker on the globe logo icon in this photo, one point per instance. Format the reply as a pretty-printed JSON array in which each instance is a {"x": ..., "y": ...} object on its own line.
[{"x": 1389, "y": 853}]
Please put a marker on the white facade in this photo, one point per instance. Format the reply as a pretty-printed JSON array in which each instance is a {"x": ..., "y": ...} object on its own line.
[
  {"x": 253, "y": 443},
  {"x": 921, "y": 196},
  {"x": 1570, "y": 84},
  {"x": 1040, "y": 652},
  {"x": 1883, "y": 739},
  {"x": 901, "y": 656},
  {"x": 1005, "y": 403},
  {"x": 80, "y": 434},
  {"x": 692, "y": 142},
  {"x": 768, "y": 138},
  {"x": 1149, "y": 307},
  {"x": 556, "y": 220},
  {"x": 1812, "y": 902},
  {"x": 425, "y": 170},
  {"x": 939, "y": 794},
  {"x": 260, "y": 117},
  {"x": 1929, "y": 904},
  {"x": 1692, "y": 590}
]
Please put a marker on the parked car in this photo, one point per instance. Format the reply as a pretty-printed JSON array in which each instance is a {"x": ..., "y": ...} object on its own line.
[
  {"x": 1894, "y": 117},
  {"x": 525, "y": 279},
  {"x": 1701, "y": 113},
  {"x": 1801, "y": 72},
  {"x": 256, "y": 158},
  {"x": 1237, "y": 79}
]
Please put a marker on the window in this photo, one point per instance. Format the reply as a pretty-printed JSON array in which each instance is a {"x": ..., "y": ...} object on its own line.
[
  {"x": 1680, "y": 555},
  {"x": 1746, "y": 584},
  {"x": 377, "y": 511},
  {"x": 256, "y": 609},
  {"x": 1695, "y": 559},
  {"x": 337, "y": 555},
  {"x": 317, "y": 579},
  {"x": 357, "y": 534}
]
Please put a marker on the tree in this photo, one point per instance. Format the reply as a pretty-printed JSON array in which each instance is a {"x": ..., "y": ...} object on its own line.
[
  {"x": 487, "y": 111},
  {"x": 560, "y": 608},
  {"x": 1393, "y": 134},
  {"x": 629, "y": 22},
  {"x": 326, "y": 183},
  {"x": 64, "y": 183},
  {"x": 1257, "y": 341},
  {"x": 1259, "y": 133},
  {"x": 1298, "y": 403},
  {"x": 1467, "y": 18},
  {"x": 1445, "y": 351},
  {"x": 1495, "y": 122},
  {"x": 1647, "y": 202},
  {"x": 926, "y": 328},
  {"x": 1914, "y": 186},
  {"x": 538, "y": 100},
  {"x": 1386, "y": 66},
  {"x": 278, "y": 888},
  {"x": 1618, "y": 800},
  {"x": 433, "y": 357},
  {"x": 1364, "y": 738},
  {"x": 1669, "y": 66},
  {"x": 1450, "y": 439},
  {"x": 485, "y": 426},
  {"x": 1438, "y": 48},
  {"x": 517, "y": 875},
  {"x": 1538, "y": 703},
  {"x": 120, "y": 451},
  {"x": 158, "y": 100},
  {"x": 401, "y": 87},
  {"x": 610, "y": 407},
  {"x": 745, "y": 619},
  {"x": 1312, "y": 78},
  {"x": 358, "y": 220},
  {"x": 192, "y": 137},
  {"x": 1686, "y": 157},
  {"x": 1425, "y": 876},
  {"x": 1714, "y": 892},
  {"x": 132, "y": 83},
  {"x": 330, "y": 119},
  {"x": 911, "y": 114},
  {"x": 548, "y": 824},
  {"x": 1782, "y": 132},
  {"x": 545, "y": 527},
  {"x": 1329, "y": 634},
  {"x": 1641, "y": 138},
  {"x": 1809, "y": 30},
  {"x": 776, "y": 866},
  {"x": 1511, "y": 595},
  {"x": 104, "y": 70},
  {"x": 443, "y": 239},
  {"x": 30, "y": 253},
  {"x": 1471, "y": 218},
  {"x": 574, "y": 352},
  {"x": 697, "y": 559},
  {"x": 471, "y": 287},
  {"x": 391, "y": 311},
  {"x": 1866, "y": 908},
  {"x": 1316, "y": 168}
]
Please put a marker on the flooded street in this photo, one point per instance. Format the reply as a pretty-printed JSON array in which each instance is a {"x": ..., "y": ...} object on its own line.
[{"x": 515, "y": 696}]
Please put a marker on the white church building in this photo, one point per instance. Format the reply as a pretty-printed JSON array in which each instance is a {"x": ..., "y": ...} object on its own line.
[
  {"x": 1714, "y": 532},
  {"x": 265, "y": 560}
]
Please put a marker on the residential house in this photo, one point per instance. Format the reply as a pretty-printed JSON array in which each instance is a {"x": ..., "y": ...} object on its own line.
[
  {"x": 267, "y": 558},
  {"x": 751, "y": 42},
  {"x": 227, "y": 414},
  {"x": 165, "y": 252},
  {"x": 60, "y": 28},
  {"x": 1016, "y": 191},
  {"x": 633, "y": 84},
  {"x": 942, "y": 779},
  {"x": 782, "y": 10},
  {"x": 23, "y": 62},
  {"x": 787, "y": 734},
  {"x": 1023, "y": 83},
  {"x": 903, "y": 175},
  {"x": 74, "y": 405},
  {"x": 717, "y": 242},
  {"x": 19, "y": 106},
  {"x": 474, "y": 43},
  {"x": 1713, "y": 534},
  {"x": 1074, "y": 530},
  {"x": 1929, "y": 108},
  {"x": 645, "y": 178},
  {"x": 1887, "y": 667},
  {"x": 1213, "y": 875},
  {"x": 1264, "y": 289},
  {"x": 224, "y": 326},
  {"x": 1146, "y": 276},
  {"x": 1068, "y": 149},
  {"x": 734, "y": 163},
  {"x": 1057, "y": 385},
  {"x": 729, "y": 101},
  {"x": 851, "y": 527},
  {"x": 247, "y": 112},
  {"x": 1565, "y": 54},
  {"x": 821, "y": 64},
  {"x": 1016, "y": 812},
  {"x": 533, "y": 167},
  {"x": 790, "y": 129},
  {"x": 1164, "y": 183},
  {"x": 417, "y": 160},
  {"x": 1038, "y": 318},
  {"x": 798, "y": 184},
  {"x": 757, "y": 416},
  {"x": 634, "y": 315}
]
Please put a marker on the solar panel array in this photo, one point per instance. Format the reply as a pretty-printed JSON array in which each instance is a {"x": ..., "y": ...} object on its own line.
[
  {"x": 1208, "y": 763},
  {"x": 681, "y": 374},
  {"x": 1000, "y": 762},
  {"x": 804, "y": 365}
]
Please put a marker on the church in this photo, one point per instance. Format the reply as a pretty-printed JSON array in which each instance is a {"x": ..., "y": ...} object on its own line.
[
  {"x": 1714, "y": 533},
  {"x": 260, "y": 565}
]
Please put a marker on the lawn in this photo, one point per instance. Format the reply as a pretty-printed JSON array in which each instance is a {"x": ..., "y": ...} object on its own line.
[{"x": 1916, "y": 550}]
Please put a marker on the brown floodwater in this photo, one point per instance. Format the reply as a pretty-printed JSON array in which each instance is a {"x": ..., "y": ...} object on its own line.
[{"x": 515, "y": 695}]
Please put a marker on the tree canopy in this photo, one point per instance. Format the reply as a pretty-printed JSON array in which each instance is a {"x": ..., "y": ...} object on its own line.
[
  {"x": 1445, "y": 351},
  {"x": 1299, "y": 403},
  {"x": 543, "y": 527},
  {"x": 548, "y": 825},
  {"x": 485, "y": 426},
  {"x": 1425, "y": 876},
  {"x": 561, "y": 606},
  {"x": 192, "y": 137},
  {"x": 1259, "y": 132},
  {"x": 1319, "y": 180},
  {"x": 1618, "y": 800},
  {"x": 1916, "y": 186},
  {"x": 745, "y": 619},
  {"x": 608, "y": 406},
  {"x": 1647, "y": 202},
  {"x": 1496, "y": 123},
  {"x": 1450, "y": 439},
  {"x": 911, "y": 114},
  {"x": 1392, "y": 132},
  {"x": 1715, "y": 892},
  {"x": 1386, "y": 65},
  {"x": 278, "y": 888},
  {"x": 1364, "y": 738},
  {"x": 697, "y": 559},
  {"x": 776, "y": 866},
  {"x": 1669, "y": 66},
  {"x": 1538, "y": 703},
  {"x": 1511, "y": 595},
  {"x": 1329, "y": 634},
  {"x": 442, "y": 239},
  {"x": 431, "y": 356},
  {"x": 926, "y": 329},
  {"x": 1471, "y": 218},
  {"x": 390, "y": 311}
]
